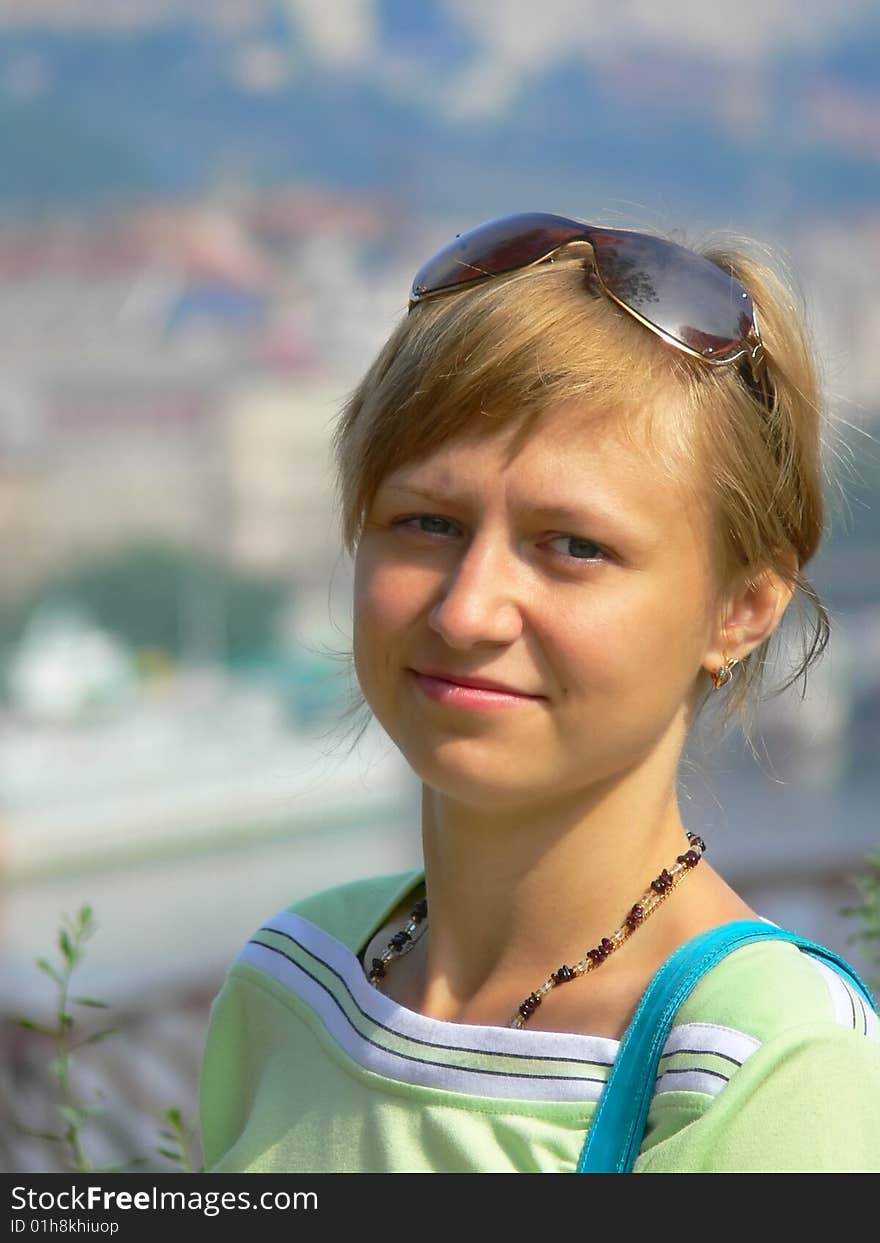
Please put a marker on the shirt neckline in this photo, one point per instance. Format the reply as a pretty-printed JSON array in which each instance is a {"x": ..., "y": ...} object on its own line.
[{"x": 345, "y": 965}]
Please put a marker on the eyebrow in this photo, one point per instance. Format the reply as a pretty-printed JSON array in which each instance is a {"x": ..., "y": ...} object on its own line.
[{"x": 560, "y": 513}]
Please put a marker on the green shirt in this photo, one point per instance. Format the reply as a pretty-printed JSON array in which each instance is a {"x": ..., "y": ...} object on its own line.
[{"x": 772, "y": 1064}]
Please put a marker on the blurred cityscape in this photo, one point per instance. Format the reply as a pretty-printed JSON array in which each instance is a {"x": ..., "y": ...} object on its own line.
[{"x": 174, "y": 604}]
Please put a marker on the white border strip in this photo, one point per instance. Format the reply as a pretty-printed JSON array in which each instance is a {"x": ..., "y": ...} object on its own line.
[
  {"x": 407, "y": 1069},
  {"x": 698, "y": 1039},
  {"x": 470, "y": 1036},
  {"x": 847, "y": 1004}
]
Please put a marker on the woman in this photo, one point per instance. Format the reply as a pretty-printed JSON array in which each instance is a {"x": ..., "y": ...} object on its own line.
[{"x": 580, "y": 483}]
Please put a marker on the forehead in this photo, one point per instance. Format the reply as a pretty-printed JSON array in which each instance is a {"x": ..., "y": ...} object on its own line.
[{"x": 572, "y": 458}]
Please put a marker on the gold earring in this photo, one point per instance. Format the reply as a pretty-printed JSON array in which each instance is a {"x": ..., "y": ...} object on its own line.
[{"x": 723, "y": 675}]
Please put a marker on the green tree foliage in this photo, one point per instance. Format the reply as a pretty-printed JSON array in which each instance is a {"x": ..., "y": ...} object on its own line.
[
  {"x": 154, "y": 595},
  {"x": 867, "y": 912}
]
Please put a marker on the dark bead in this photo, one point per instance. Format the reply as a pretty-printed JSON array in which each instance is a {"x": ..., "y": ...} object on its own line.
[
  {"x": 691, "y": 858},
  {"x": 420, "y": 911},
  {"x": 399, "y": 939},
  {"x": 562, "y": 974},
  {"x": 606, "y": 945},
  {"x": 377, "y": 971},
  {"x": 696, "y": 841},
  {"x": 657, "y": 885},
  {"x": 530, "y": 1005}
]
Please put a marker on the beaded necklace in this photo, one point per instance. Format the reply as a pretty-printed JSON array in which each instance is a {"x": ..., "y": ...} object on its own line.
[{"x": 656, "y": 893}]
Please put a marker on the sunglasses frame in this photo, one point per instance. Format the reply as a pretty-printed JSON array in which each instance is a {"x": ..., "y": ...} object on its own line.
[{"x": 751, "y": 351}]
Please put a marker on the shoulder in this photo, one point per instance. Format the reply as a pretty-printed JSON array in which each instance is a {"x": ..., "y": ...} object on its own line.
[
  {"x": 769, "y": 987},
  {"x": 246, "y": 1008},
  {"x": 807, "y": 1100},
  {"x": 788, "y": 1054},
  {"x": 351, "y": 912}
]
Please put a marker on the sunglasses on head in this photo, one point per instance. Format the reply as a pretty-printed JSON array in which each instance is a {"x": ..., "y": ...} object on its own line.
[{"x": 686, "y": 299}]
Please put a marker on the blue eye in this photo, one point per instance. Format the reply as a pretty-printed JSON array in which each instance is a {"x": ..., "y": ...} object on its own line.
[
  {"x": 578, "y": 542},
  {"x": 433, "y": 518},
  {"x": 435, "y": 524}
]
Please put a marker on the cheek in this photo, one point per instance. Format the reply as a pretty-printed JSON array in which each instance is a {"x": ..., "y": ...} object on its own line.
[
  {"x": 387, "y": 598},
  {"x": 631, "y": 642},
  {"x": 590, "y": 646},
  {"x": 384, "y": 596}
]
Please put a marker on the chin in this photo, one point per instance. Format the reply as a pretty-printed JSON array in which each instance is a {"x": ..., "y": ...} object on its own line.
[{"x": 464, "y": 771}]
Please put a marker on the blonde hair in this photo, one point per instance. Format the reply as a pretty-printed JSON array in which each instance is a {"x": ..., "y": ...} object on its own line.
[{"x": 511, "y": 347}]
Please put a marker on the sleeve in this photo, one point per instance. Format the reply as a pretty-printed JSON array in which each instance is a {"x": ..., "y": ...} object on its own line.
[
  {"x": 807, "y": 1101},
  {"x": 245, "y": 1030},
  {"x": 223, "y": 1076},
  {"x": 247, "y": 1027}
]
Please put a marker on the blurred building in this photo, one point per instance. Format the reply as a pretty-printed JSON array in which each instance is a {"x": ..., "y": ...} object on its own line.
[
  {"x": 171, "y": 372},
  {"x": 279, "y": 497}
]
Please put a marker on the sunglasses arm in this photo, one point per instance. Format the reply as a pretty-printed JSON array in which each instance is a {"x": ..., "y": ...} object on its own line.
[{"x": 755, "y": 375}]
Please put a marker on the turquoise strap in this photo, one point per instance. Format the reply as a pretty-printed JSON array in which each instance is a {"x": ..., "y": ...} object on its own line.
[{"x": 616, "y": 1131}]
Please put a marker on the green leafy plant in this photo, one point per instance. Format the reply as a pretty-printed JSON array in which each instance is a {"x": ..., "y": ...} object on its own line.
[
  {"x": 867, "y": 912},
  {"x": 178, "y": 1134},
  {"x": 74, "y": 1113}
]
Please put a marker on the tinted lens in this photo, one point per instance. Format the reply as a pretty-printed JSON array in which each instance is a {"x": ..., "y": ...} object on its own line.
[
  {"x": 498, "y": 246},
  {"x": 684, "y": 296},
  {"x": 681, "y": 293}
]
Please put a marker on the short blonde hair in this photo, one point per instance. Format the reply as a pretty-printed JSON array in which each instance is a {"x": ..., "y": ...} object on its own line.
[{"x": 511, "y": 347}]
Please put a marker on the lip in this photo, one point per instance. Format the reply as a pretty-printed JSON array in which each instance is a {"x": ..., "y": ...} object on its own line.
[{"x": 474, "y": 683}]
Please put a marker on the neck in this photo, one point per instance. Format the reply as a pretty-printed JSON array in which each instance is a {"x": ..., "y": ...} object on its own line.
[{"x": 515, "y": 892}]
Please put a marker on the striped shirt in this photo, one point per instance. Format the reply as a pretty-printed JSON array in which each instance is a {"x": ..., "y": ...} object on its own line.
[{"x": 773, "y": 1063}]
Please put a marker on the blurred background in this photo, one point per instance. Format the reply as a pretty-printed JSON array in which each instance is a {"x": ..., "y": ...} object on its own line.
[{"x": 210, "y": 215}]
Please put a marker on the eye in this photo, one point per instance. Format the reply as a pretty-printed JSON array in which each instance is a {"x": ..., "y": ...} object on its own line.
[
  {"x": 579, "y": 548},
  {"x": 435, "y": 523}
]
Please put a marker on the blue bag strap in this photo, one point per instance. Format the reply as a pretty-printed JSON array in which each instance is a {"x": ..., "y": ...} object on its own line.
[{"x": 618, "y": 1125}]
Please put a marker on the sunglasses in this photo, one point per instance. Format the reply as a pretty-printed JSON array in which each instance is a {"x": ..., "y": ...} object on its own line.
[{"x": 687, "y": 300}]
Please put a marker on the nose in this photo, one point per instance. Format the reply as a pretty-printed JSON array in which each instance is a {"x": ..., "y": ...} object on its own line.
[{"x": 478, "y": 599}]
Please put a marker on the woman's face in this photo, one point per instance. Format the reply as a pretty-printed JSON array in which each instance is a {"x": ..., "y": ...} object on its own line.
[{"x": 571, "y": 570}]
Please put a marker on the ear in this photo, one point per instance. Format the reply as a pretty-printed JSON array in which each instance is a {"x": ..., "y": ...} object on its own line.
[{"x": 748, "y": 616}]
